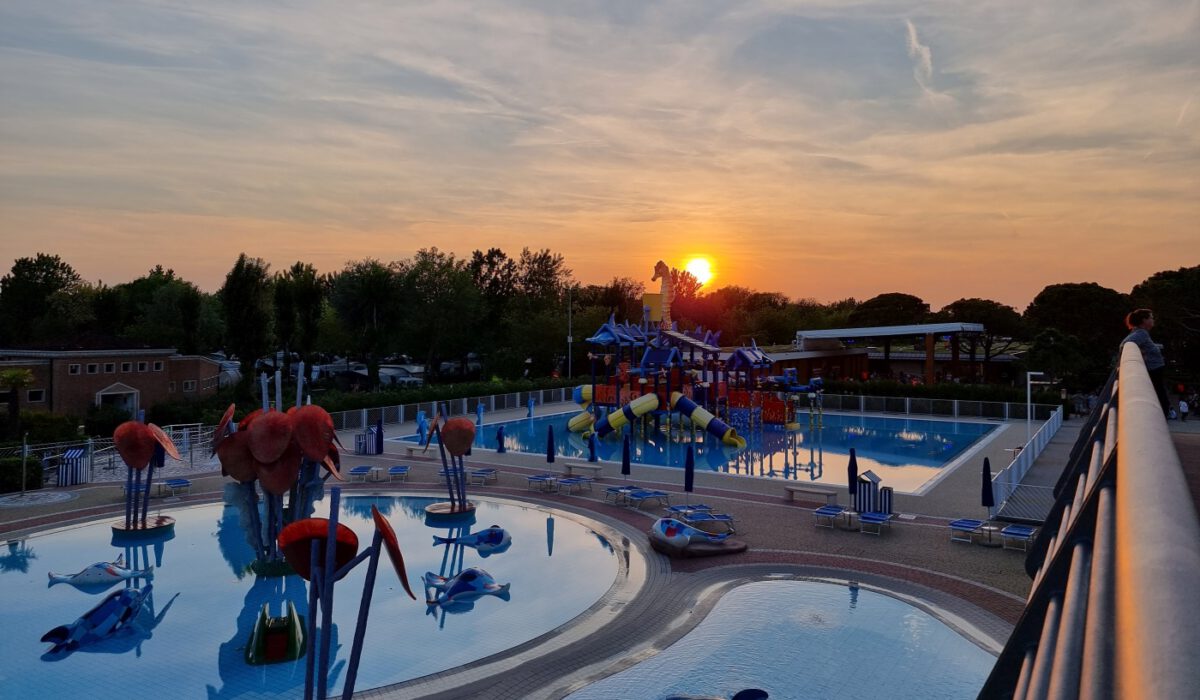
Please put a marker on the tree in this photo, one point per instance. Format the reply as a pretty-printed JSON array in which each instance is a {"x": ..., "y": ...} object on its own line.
[
  {"x": 366, "y": 296},
  {"x": 541, "y": 275},
  {"x": 246, "y": 301},
  {"x": 26, "y": 293},
  {"x": 16, "y": 379},
  {"x": 891, "y": 309},
  {"x": 443, "y": 307},
  {"x": 684, "y": 284},
  {"x": 1002, "y": 324},
  {"x": 1061, "y": 356},
  {"x": 1092, "y": 314}
]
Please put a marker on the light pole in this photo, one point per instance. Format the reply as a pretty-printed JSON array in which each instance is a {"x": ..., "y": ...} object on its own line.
[
  {"x": 1029, "y": 404},
  {"x": 570, "y": 336}
]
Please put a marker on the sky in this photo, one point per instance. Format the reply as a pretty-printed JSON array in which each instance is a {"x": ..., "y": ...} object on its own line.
[{"x": 824, "y": 149}]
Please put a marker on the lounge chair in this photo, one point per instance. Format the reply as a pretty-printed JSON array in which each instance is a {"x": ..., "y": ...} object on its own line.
[
  {"x": 964, "y": 529},
  {"x": 359, "y": 472},
  {"x": 618, "y": 493},
  {"x": 398, "y": 471},
  {"x": 541, "y": 482},
  {"x": 574, "y": 482},
  {"x": 482, "y": 476},
  {"x": 140, "y": 489},
  {"x": 176, "y": 485},
  {"x": 687, "y": 508},
  {"x": 704, "y": 516},
  {"x": 872, "y": 523},
  {"x": 1017, "y": 535},
  {"x": 825, "y": 515},
  {"x": 640, "y": 496}
]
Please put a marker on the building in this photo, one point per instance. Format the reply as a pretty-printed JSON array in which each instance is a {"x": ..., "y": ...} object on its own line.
[{"x": 71, "y": 381}]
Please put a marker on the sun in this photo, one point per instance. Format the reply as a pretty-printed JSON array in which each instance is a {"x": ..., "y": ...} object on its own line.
[{"x": 700, "y": 268}]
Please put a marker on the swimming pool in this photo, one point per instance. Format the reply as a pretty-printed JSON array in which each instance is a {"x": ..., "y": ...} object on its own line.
[
  {"x": 907, "y": 453},
  {"x": 190, "y": 643},
  {"x": 808, "y": 639}
]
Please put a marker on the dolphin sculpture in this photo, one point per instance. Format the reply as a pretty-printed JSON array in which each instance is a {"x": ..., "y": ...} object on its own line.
[
  {"x": 490, "y": 540},
  {"x": 468, "y": 585},
  {"x": 110, "y": 615},
  {"x": 673, "y": 533},
  {"x": 102, "y": 573}
]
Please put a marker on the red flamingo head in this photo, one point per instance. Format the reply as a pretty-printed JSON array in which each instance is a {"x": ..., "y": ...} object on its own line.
[
  {"x": 296, "y": 542},
  {"x": 457, "y": 436},
  {"x": 270, "y": 435}
]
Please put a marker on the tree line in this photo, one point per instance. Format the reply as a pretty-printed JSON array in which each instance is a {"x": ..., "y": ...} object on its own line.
[{"x": 513, "y": 311}]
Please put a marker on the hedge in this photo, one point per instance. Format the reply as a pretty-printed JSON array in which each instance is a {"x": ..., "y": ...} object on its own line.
[{"x": 10, "y": 474}]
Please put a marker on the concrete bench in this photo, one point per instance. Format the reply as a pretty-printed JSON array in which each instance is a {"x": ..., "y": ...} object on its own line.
[
  {"x": 576, "y": 468},
  {"x": 793, "y": 489}
]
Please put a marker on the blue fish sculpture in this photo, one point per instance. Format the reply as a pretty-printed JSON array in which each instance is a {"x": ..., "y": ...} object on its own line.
[
  {"x": 110, "y": 615},
  {"x": 676, "y": 534},
  {"x": 101, "y": 574},
  {"x": 488, "y": 541},
  {"x": 468, "y": 585}
]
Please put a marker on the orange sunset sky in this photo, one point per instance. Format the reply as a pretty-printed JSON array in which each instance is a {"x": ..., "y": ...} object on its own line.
[{"x": 818, "y": 149}]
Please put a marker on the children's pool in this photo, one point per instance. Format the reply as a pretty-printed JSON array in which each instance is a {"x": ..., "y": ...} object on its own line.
[
  {"x": 906, "y": 453},
  {"x": 189, "y": 643},
  {"x": 808, "y": 639}
]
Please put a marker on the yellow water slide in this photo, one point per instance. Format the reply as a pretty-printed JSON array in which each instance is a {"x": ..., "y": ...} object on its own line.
[{"x": 582, "y": 422}]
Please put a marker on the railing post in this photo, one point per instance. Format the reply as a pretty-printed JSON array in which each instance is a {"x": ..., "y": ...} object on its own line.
[{"x": 956, "y": 408}]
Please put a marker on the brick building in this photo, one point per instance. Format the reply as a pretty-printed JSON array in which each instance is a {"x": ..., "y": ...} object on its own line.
[{"x": 69, "y": 382}]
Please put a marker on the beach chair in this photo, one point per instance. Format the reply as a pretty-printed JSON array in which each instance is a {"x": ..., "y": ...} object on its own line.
[
  {"x": 825, "y": 515},
  {"x": 540, "y": 482},
  {"x": 704, "y": 516},
  {"x": 872, "y": 523},
  {"x": 176, "y": 485},
  {"x": 574, "y": 482},
  {"x": 139, "y": 490},
  {"x": 359, "y": 472},
  {"x": 618, "y": 493},
  {"x": 964, "y": 529},
  {"x": 640, "y": 496},
  {"x": 684, "y": 509},
  {"x": 482, "y": 476},
  {"x": 1017, "y": 537},
  {"x": 398, "y": 471}
]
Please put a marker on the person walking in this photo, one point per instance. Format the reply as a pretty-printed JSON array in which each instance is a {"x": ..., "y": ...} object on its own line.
[
  {"x": 1183, "y": 409},
  {"x": 1140, "y": 322}
]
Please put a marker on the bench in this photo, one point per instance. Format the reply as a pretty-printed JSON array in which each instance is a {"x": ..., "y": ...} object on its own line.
[
  {"x": 964, "y": 529},
  {"x": 589, "y": 470},
  {"x": 793, "y": 489}
]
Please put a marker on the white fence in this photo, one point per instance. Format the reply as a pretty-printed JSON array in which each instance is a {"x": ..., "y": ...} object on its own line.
[{"x": 1006, "y": 481}]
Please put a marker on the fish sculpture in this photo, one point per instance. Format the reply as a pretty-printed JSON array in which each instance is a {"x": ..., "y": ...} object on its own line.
[
  {"x": 102, "y": 573},
  {"x": 468, "y": 585},
  {"x": 109, "y": 616},
  {"x": 488, "y": 541},
  {"x": 673, "y": 533}
]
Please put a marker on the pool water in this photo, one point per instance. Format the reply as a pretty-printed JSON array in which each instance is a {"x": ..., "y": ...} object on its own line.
[
  {"x": 906, "y": 453},
  {"x": 190, "y": 643},
  {"x": 808, "y": 639}
]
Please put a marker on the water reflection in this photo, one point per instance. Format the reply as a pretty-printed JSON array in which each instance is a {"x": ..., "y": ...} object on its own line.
[{"x": 16, "y": 557}]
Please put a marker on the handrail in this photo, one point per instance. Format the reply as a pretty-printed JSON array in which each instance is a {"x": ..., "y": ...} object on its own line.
[{"x": 1111, "y": 610}]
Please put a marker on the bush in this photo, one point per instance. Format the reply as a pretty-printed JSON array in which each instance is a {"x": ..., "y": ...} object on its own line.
[
  {"x": 48, "y": 427},
  {"x": 103, "y": 420},
  {"x": 10, "y": 474}
]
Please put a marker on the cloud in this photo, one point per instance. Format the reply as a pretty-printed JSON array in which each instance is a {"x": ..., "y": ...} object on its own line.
[{"x": 922, "y": 58}]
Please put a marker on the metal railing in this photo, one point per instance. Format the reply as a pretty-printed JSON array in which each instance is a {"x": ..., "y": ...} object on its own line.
[
  {"x": 1006, "y": 481},
  {"x": 948, "y": 408},
  {"x": 363, "y": 418},
  {"x": 1111, "y": 613}
]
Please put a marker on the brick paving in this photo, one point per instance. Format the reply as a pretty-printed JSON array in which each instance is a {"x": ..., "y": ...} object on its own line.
[{"x": 976, "y": 588}]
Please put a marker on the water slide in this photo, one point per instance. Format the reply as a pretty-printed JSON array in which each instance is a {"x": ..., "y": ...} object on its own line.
[
  {"x": 628, "y": 413},
  {"x": 715, "y": 426},
  {"x": 583, "y": 421}
]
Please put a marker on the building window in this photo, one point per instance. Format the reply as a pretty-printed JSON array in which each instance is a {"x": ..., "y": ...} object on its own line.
[
  {"x": 72, "y": 369},
  {"x": 170, "y": 387},
  {"x": 110, "y": 367},
  {"x": 158, "y": 365},
  {"x": 189, "y": 385},
  {"x": 93, "y": 368},
  {"x": 35, "y": 395},
  {"x": 142, "y": 366},
  {"x": 126, "y": 366}
]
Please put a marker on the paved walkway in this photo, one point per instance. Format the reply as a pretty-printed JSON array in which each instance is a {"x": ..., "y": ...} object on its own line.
[{"x": 975, "y": 588}]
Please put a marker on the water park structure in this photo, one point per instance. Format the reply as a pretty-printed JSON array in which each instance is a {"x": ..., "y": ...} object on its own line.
[{"x": 651, "y": 370}]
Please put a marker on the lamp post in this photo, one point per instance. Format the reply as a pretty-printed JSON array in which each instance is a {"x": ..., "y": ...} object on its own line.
[
  {"x": 570, "y": 335},
  {"x": 1029, "y": 404}
]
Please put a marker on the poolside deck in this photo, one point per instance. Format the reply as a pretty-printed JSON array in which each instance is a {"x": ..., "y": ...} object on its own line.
[{"x": 976, "y": 586}]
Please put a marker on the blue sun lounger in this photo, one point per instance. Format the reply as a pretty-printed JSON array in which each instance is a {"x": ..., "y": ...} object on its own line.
[
  {"x": 703, "y": 516},
  {"x": 872, "y": 523},
  {"x": 398, "y": 471},
  {"x": 482, "y": 476},
  {"x": 570, "y": 483},
  {"x": 540, "y": 482},
  {"x": 175, "y": 485},
  {"x": 636, "y": 498},
  {"x": 684, "y": 509},
  {"x": 1017, "y": 535},
  {"x": 963, "y": 529},
  {"x": 825, "y": 515},
  {"x": 359, "y": 472},
  {"x": 618, "y": 493}
]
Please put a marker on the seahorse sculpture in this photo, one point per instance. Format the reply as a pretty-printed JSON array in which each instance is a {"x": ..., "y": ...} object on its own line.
[{"x": 661, "y": 271}]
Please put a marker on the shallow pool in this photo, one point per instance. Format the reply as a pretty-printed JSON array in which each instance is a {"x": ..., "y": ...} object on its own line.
[
  {"x": 906, "y": 453},
  {"x": 190, "y": 643},
  {"x": 808, "y": 639}
]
